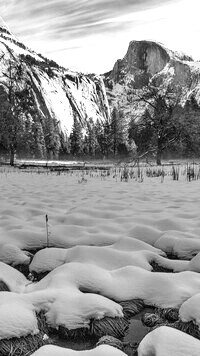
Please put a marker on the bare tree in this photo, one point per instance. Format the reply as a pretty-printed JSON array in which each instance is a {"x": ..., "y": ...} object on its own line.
[{"x": 158, "y": 117}]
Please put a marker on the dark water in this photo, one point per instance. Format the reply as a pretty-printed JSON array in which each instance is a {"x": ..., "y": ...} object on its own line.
[
  {"x": 137, "y": 331},
  {"x": 74, "y": 345},
  {"x": 134, "y": 334}
]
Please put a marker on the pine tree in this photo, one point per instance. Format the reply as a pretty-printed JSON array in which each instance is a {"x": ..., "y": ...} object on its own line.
[
  {"x": 39, "y": 148},
  {"x": 99, "y": 132},
  {"x": 91, "y": 138},
  {"x": 65, "y": 144},
  {"x": 14, "y": 106},
  {"x": 76, "y": 137},
  {"x": 107, "y": 138},
  {"x": 119, "y": 132}
]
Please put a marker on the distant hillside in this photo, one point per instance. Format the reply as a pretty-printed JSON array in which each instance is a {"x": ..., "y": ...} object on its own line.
[{"x": 58, "y": 96}]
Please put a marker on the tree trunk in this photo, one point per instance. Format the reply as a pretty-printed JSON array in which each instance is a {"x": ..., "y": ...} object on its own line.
[
  {"x": 12, "y": 156},
  {"x": 159, "y": 151},
  {"x": 158, "y": 157}
]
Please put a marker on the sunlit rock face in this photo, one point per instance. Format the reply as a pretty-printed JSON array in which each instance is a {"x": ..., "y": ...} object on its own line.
[
  {"x": 142, "y": 55},
  {"x": 148, "y": 62},
  {"x": 59, "y": 94}
]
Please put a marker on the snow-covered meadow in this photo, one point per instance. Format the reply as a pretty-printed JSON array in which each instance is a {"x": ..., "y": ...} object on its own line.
[{"x": 105, "y": 237}]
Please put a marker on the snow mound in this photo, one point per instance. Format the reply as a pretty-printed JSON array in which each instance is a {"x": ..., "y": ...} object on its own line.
[
  {"x": 17, "y": 316},
  {"x": 182, "y": 245},
  {"x": 133, "y": 244},
  {"x": 14, "y": 279},
  {"x": 74, "y": 309},
  {"x": 134, "y": 282},
  {"x": 108, "y": 258},
  {"x": 17, "y": 320},
  {"x": 190, "y": 310},
  {"x": 194, "y": 264},
  {"x": 105, "y": 257},
  {"x": 102, "y": 350},
  {"x": 11, "y": 254},
  {"x": 166, "y": 341}
]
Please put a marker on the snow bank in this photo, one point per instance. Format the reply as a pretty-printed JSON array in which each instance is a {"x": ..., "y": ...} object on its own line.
[
  {"x": 102, "y": 350},
  {"x": 100, "y": 213},
  {"x": 105, "y": 257},
  {"x": 134, "y": 283},
  {"x": 108, "y": 258},
  {"x": 17, "y": 320},
  {"x": 68, "y": 307},
  {"x": 17, "y": 316},
  {"x": 190, "y": 310},
  {"x": 166, "y": 341},
  {"x": 11, "y": 254},
  {"x": 194, "y": 264},
  {"x": 149, "y": 216},
  {"x": 60, "y": 293},
  {"x": 133, "y": 244},
  {"x": 180, "y": 244},
  {"x": 14, "y": 279},
  {"x": 74, "y": 309}
]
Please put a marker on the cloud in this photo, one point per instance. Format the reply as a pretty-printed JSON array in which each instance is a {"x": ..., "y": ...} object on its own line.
[
  {"x": 66, "y": 18},
  {"x": 91, "y": 34}
]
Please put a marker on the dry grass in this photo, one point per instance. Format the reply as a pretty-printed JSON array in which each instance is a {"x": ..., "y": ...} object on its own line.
[
  {"x": 4, "y": 287},
  {"x": 188, "y": 328},
  {"x": 115, "y": 327},
  {"x": 160, "y": 317},
  {"x": 25, "y": 346},
  {"x": 110, "y": 340},
  {"x": 132, "y": 307}
]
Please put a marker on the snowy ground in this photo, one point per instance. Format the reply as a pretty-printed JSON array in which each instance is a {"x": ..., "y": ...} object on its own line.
[{"x": 119, "y": 218}]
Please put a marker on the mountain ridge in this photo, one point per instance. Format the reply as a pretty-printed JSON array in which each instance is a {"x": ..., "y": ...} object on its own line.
[
  {"x": 148, "y": 62},
  {"x": 59, "y": 94}
]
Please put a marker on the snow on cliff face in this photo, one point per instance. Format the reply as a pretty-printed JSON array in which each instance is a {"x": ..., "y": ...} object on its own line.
[
  {"x": 146, "y": 62},
  {"x": 59, "y": 93}
]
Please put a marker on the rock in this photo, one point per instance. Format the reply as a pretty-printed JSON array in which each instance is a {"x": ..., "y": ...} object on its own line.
[
  {"x": 57, "y": 94},
  {"x": 145, "y": 63}
]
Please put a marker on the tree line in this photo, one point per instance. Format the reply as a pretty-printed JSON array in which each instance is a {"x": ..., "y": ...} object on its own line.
[{"x": 165, "y": 125}]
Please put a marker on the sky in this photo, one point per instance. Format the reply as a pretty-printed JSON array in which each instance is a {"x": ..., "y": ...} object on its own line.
[{"x": 90, "y": 35}]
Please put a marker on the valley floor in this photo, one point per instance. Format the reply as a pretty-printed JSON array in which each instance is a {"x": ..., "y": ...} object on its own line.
[{"x": 126, "y": 225}]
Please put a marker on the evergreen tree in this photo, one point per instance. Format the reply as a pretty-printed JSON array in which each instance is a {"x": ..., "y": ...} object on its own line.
[
  {"x": 107, "y": 138},
  {"x": 52, "y": 137},
  {"x": 188, "y": 122},
  {"x": 65, "y": 144},
  {"x": 76, "y": 137},
  {"x": 39, "y": 147},
  {"x": 119, "y": 132},
  {"x": 99, "y": 132},
  {"x": 14, "y": 106},
  {"x": 91, "y": 138}
]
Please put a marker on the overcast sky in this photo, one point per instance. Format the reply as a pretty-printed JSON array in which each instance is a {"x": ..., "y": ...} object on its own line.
[{"x": 90, "y": 35}]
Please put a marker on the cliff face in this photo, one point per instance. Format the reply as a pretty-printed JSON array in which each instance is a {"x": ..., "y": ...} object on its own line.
[
  {"x": 58, "y": 94},
  {"x": 148, "y": 62}
]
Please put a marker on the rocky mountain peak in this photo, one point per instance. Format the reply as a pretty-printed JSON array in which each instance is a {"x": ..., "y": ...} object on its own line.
[
  {"x": 145, "y": 57},
  {"x": 148, "y": 61}
]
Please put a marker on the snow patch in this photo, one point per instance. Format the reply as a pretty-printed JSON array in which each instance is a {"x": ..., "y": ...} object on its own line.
[
  {"x": 102, "y": 350},
  {"x": 166, "y": 341}
]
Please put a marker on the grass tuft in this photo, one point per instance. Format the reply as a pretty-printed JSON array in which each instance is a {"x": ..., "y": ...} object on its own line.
[{"x": 25, "y": 346}]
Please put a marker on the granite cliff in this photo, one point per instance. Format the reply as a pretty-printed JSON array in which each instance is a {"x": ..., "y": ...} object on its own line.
[{"x": 58, "y": 94}]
